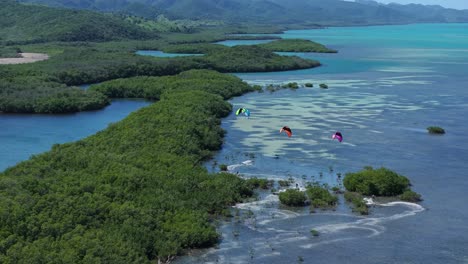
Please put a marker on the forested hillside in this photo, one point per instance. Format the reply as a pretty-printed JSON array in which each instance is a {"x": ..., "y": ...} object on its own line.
[
  {"x": 300, "y": 12},
  {"x": 30, "y": 23}
]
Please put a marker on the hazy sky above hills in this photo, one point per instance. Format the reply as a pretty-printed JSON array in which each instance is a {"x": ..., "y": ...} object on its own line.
[{"x": 458, "y": 4}]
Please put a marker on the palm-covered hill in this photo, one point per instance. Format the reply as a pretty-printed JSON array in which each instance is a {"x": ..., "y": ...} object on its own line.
[
  {"x": 330, "y": 12},
  {"x": 32, "y": 23}
]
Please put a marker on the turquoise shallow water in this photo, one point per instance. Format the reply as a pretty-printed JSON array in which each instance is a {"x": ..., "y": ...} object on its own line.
[{"x": 386, "y": 85}]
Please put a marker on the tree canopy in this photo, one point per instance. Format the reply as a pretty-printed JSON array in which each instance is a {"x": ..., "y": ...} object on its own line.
[
  {"x": 22, "y": 23},
  {"x": 381, "y": 182},
  {"x": 132, "y": 193}
]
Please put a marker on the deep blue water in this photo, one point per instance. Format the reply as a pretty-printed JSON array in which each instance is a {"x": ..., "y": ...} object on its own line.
[
  {"x": 22, "y": 135},
  {"x": 387, "y": 84}
]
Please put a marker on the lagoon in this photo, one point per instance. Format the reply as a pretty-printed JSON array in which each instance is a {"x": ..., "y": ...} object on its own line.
[{"x": 23, "y": 135}]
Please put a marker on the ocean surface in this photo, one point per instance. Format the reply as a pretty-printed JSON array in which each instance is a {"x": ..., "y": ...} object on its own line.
[{"x": 387, "y": 84}]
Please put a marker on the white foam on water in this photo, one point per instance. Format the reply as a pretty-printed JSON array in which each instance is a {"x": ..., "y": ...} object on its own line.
[
  {"x": 256, "y": 205},
  {"x": 272, "y": 254},
  {"x": 231, "y": 168},
  {"x": 267, "y": 211},
  {"x": 368, "y": 201},
  {"x": 371, "y": 224}
]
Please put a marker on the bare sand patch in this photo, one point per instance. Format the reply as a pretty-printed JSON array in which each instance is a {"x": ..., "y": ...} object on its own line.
[{"x": 25, "y": 58}]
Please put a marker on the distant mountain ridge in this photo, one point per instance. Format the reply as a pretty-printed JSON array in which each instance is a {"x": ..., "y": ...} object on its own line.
[{"x": 330, "y": 12}]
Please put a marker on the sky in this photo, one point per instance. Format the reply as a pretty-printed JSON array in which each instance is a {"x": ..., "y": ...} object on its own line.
[{"x": 458, "y": 4}]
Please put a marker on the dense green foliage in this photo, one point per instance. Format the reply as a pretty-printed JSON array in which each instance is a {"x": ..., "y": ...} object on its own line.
[
  {"x": 296, "y": 45},
  {"x": 359, "y": 205},
  {"x": 284, "y": 183},
  {"x": 291, "y": 85},
  {"x": 214, "y": 34},
  {"x": 31, "y": 23},
  {"x": 132, "y": 193},
  {"x": 320, "y": 197},
  {"x": 382, "y": 181},
  {"x": 303, "y": 13},
  {"x": 195, "y": 48},
  {"x": 259, "y": 183},
  {"x": 242, "y": 58},
  {"x": 163, "y": 24},
  {"x": 435, "y": 130},
  {"x": 31, "y": 95},
  {"x": 314, "y": 232},
  {"x": 9, "y": 52},
  {"x": 292, "y": 197},
  {"x": 410, "y": 196},
  {"x": 254, "y": 58},
  {"x": 38, "y": 87},
  {"x": 152, "y": 87},
  {"x": 282, "y": 45},
  {"x": 81, "y": 63}
]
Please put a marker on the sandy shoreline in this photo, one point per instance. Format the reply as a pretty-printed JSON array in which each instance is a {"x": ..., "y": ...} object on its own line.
[{"x": 26, "y": 58}]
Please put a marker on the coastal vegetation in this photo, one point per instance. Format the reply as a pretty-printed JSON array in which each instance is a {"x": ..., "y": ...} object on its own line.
[
  {"x": 31, "y": 95},
  {"x": 292, "y": 197},
  {"x": 84, "y": 55},
  {"x": 314, "y": 232},
  {"x": 296, "y": 45},
  {"x": 378, "y": 182},
  {"x": 81, "y": 63},
  {"x": 315, "y": 194},
  {"x": 320, "y": 197},
  {"x": 134, "y": 192},
  {"x": 284, "y": 183},
  {"x": 152, "y": 87},
  {"x": 356, "y": 199},
  {"x": 435, "y": 130},
  {"x": 255, "y": 183},
  {"x": 291, "y": 85},
  {"x": 9, "y": 52},
  {"x": 410, "y": 196},
  {"x": 254, "y": 59}
]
